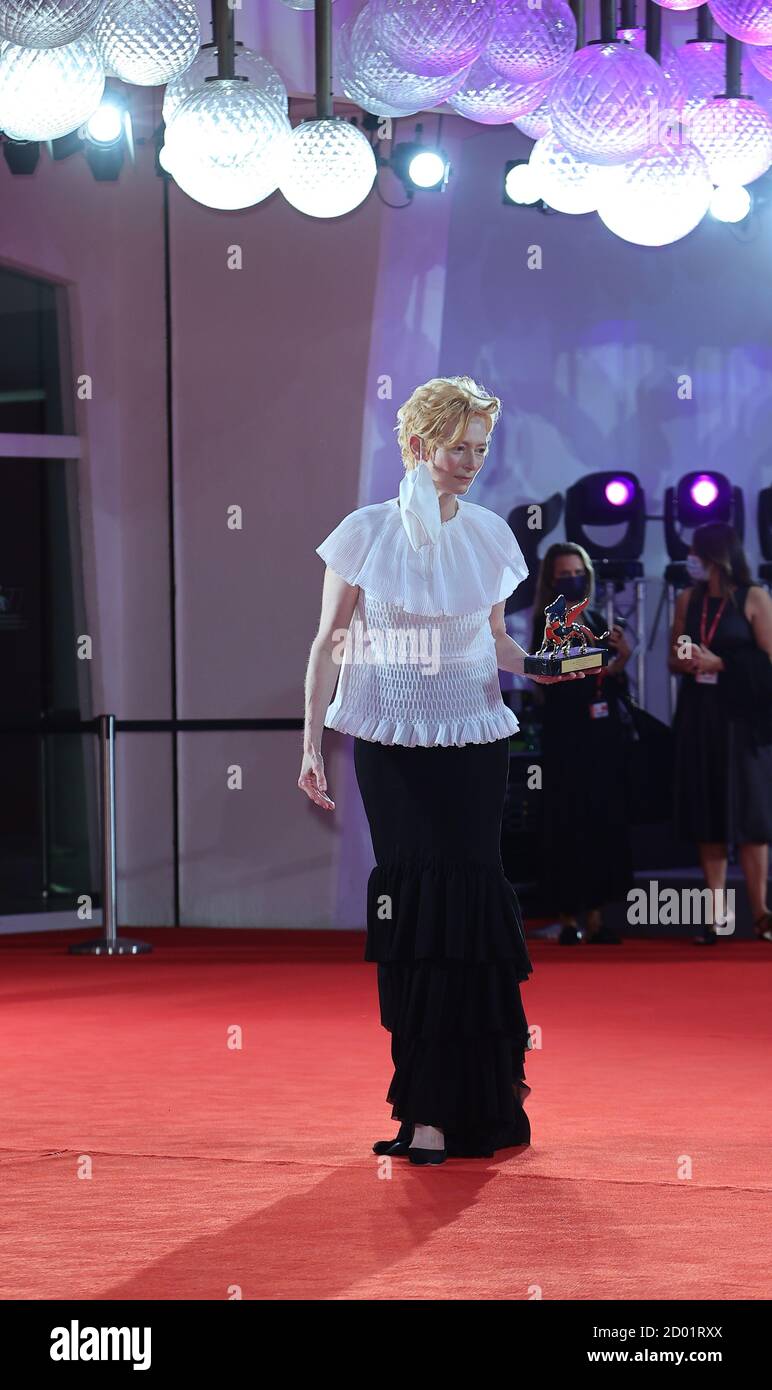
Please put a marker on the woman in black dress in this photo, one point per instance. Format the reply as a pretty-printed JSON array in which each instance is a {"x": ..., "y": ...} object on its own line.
[
  {"x": 586, "y": 849},
  {"x": 722, "y": 647}
]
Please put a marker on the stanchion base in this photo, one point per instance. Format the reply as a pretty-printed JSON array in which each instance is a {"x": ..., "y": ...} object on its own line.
[{"x": 103, "y": 947}]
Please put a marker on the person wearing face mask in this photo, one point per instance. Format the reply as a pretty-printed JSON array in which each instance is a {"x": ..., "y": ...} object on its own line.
[
  {"x": 586, "y": 845},
  {"x": 721, "y": 644}
]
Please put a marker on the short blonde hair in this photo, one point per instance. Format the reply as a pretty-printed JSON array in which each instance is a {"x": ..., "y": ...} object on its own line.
[{"x": 439, "y": 412}]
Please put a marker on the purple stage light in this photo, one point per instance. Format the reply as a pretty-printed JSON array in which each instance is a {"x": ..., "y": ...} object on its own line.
[
  {"x": 704, "y": 491},
  {"x": 618, "y": 491}
]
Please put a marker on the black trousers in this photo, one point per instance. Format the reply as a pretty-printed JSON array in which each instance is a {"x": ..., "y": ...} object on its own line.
[{"x": 445, "y": 929}]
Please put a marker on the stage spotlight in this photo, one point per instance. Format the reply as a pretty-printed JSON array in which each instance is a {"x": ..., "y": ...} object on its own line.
[
  {"x": 108, "y": 135},
  {"x": 604, "y": 500},
  {"x": 419, "y": 166},
  {"x": 106, "y": 126},
  {"x": 21, "y": 156},
  {"x": 520, "y": 186},
  {"x": 699, "y": 497},
  {"x": 618, "y": 491}
]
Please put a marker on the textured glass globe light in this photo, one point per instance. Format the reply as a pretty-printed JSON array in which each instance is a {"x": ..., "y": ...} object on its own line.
[
  {"x": 247, "y": 63},
  {"x": 227, "y": 141},
  {"x": 350, "y": 80},
  {"x": 735, "y": 137},
  {"x": 748, "y": 20},
  {"x": 430, "y": 38},
  {"x": 328, "y": 168},
  {"x": 659, "y": 198},
  {"x": 389, "y": 83},
  {"x": 675, "y": 82},
  {"x": 730, "y": 203},
  {"x": 46, "y": 23},
  {"x": 703, "y": 64},
  {"x": 761, "y": 59},
  {"x": 147, "y": 41},
  {"x": 528, "y": 45},
  {"x": 679, "y": 4},
  {"x": 48, "y": 92},
  {"x": 565, "y": 183},
  {"x": 300, "y": 4},
  {"x": 489, "y": 99},
  {"x": 537, "y": 122},
  {"x": 226, "y": 189},
  {"x": 607, "y": 104}
]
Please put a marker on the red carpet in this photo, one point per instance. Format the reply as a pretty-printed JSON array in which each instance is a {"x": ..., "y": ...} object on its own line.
[{"x": 217, "y": 1170}]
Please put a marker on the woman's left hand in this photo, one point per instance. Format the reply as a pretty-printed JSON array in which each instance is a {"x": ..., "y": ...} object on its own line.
[
  {"x": 704, "y": 659},
  {"x": 555, "y": 680}
]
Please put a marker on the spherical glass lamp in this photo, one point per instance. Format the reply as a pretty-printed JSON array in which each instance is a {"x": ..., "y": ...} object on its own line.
[
  {"x": 537, "y": 122},
  {"x": 147, "y": 42},
  {"x": 761, "y": 59},
  {"x": 227, "y": 136},
  {"x": 748, "y": 20},
  {"x": 46, "y": 23},
  {"x": 328, "y": 168},
  {"x": 730, "y": 203},
  {"x": 566, "y": 183},
  {"x": 679, "y": 4},
  {"x": 389, "y": 83},
  {"x": 659, "y": 198},
  {"x": 675, "y": 82},
  {"x": 48, "y": 92},
  {"x": 734, "y": 135},
  {"x": 529, "y": 45},
  {"x": 222, "y": 188},
  {"x": 247, "y": 63},
  {"x": 351, "y": 82},
  {"x": 429, "y": 38},
  {"x": 489, "y": 99},
  {"x": 608, "y": 103}
]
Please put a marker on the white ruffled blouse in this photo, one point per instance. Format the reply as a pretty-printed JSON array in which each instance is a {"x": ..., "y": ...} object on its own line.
[{"x": 418, "y": 663}]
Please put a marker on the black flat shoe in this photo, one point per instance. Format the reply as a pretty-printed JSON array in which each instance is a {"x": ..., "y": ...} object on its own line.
[
  {"x": 569, "y": 936},
  {"x": 427, "y": 1155},
  {"x": 396, "y": 1147}
]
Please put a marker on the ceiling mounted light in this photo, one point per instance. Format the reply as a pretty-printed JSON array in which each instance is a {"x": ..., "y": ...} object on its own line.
[
  {"x": 730, "y": 203},
  {"x": 46, "y": 23},
  {"x": 147, "y": 41},
  {"x": 391, "y": 83},
  {"x": 486, "y": 97},
  {"x": 607, "y": 104},
  {"x": 531, "y": 44},
  {"x": 566, "y": 183},
  {"x": 47, "y": 92},
  {"x": 735, "y": 137},
  {"x": 658, "y": 198},
  {"x": 430, "y": 39},
  {"x": 328, "y": 167},
  {"x": 253, "y": 66}
]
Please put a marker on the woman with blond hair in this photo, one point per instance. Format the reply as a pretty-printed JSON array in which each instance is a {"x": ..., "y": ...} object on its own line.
[{"x": 422, "y": 580}]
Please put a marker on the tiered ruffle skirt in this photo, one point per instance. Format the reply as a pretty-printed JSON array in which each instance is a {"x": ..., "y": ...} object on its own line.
[{"x": 445, "y": 929}]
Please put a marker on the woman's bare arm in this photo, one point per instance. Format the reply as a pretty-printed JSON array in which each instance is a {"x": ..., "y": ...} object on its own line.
[
  {"x": 758, "y": 607},
  {"x": 338, "y": 603}
]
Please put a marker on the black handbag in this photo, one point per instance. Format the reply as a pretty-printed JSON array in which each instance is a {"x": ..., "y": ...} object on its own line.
[{"x": 648, "y": 765}]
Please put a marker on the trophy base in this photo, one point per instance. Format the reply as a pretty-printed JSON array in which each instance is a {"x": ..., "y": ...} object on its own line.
[{"x": 592, "y": 660}]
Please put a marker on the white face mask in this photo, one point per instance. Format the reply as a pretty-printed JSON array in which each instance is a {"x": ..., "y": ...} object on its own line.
[{"x": 695, "y": 567}]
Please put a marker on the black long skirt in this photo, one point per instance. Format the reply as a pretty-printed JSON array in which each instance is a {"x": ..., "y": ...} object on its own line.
[{"x": 445, "y": 928}]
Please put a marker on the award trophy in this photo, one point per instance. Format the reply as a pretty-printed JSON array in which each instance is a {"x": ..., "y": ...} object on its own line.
[{"x": 565, "y": 648}]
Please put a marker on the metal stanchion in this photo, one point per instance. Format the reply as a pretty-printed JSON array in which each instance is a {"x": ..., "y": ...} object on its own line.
[{"x": 109, "y": 944}]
